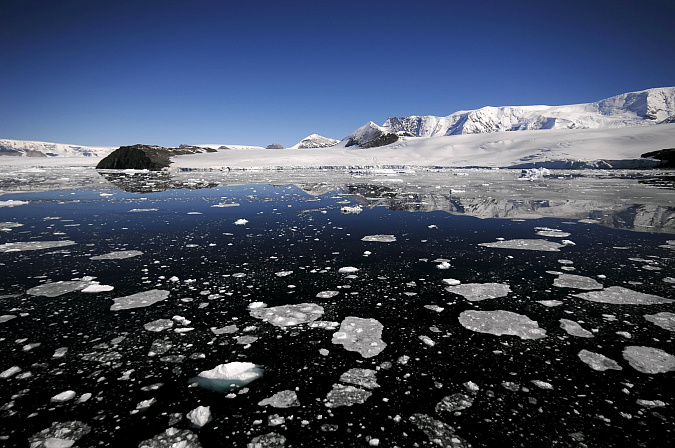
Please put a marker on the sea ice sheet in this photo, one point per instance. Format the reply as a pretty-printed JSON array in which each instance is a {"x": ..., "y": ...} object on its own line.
[
  {"x": 139, "y": 300},
  {"x": 34, "y": 245},
  {"x": 619, "y": 295},
  {"x": 118, "y": 255},
  {"x": 663, "y": 319},
  {"x": 360, "y": 335},
  {"x": 379, "y": 238},
  {"x": 649, "y": 359},
  {"x": 289, "y": 315},
  {"x": 474, "y": 292},
  {"x": 55, "y": 289},
  {"x": 501, "y": 322},
  {"x": 525, "y": 244}
]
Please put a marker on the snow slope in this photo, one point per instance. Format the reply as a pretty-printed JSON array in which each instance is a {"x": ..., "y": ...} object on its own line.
[
  {"x": 501, "y": 149},
  {"x": 629, "y": 109},
  {"x": 23, "y": 148}
]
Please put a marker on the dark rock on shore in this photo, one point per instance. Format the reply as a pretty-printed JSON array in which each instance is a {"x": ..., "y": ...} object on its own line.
[
  {"x": 145, "y": 157},
  {"x": 666, "y": 156}
]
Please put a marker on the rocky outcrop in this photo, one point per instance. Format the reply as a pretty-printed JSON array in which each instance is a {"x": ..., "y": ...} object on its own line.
[
  {"x": 666, "y": 156},
  {"x": 145, "y": 157},
  {"x": 275, "y": 145},
  {"x": 370, "y": 135}
]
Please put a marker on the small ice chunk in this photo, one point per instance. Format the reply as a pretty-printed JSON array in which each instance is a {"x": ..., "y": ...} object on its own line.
[
  {"x": 64, "y": 396},
  {"x": 118, "y": 255},
  {"x": 283, "y": 273},
  {"x": 501, "y": 322},
  {"x": 145, "y": 404},
  {"x": 379, "y": 238},
  {"x": 648, "y": 359},
  {"x": 226, "y": 377},
  {"x": 550, "y": 303},
  {"x": 450, "y": 282},
  {"x": 360, "y": 377},
  {"x": 12, "y": 203},
  {"x": 619, "y": 295},
  {"x": 663, "y": 319},
  {"x": 200, "y": 416},
  {"x": 139, "y": 300},
  {"x": 551, "y": 233},
  {"x": 283, "y": 399},
  {"x": 576, "y": 282},
  {"x": 270, "y": 440},
  {"x": 454, "y": 403},
  {"x": 435, "y": 308},
  {"x": 651, "y": 403},
  {"x": 60, "y": 435},
  {"x": 573, "y": 328},
  {"x": 241, "y": 222},
  {"x": 599, "y": 362},
  {"x": 439, "y": 433},
  {"x": 525, "y": 244},
  {"x": 342, "y": 395},
  {"x": 474, "y": 292},
  {"x": 229, "y": 329},
  {"x": 10, "y": 372},
  {"x": 95, "y": 287},
  {"x": 327, "y": 294},
  {"x": 173, "y": 438},
  {"x": 443, "y": 265},
  {"x": 360, "y": 335},
  {"x": 348, "y": 270},
  {"x": 346, "y": 209},
  {"x": 60, "y": 352},
  {"x": 256, "y": 305},
  {"x": 6, "y": 317},
  {"x": 427, "y": 340},
  {"x": 542, "y": 384}
]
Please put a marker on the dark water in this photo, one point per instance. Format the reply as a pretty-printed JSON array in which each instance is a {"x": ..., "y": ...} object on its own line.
[{"x": 289, "y": 229}]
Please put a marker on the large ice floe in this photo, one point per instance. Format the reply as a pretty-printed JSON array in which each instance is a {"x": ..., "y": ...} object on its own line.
[
  {"x": 289, "y": 315},
  {"x": 576, "y": 282},
  {"x": 649, "y": 359},
  {"x": 55, "y": 289},
  {"x": 663, "y": 319},
  {"x": 60, "y": 435},
  {"x": 525, "y": 244},
  {"x": 360, "y": 335},
  {"x": 474, "y": 292},
  {"x": 574, "y": 329},
  {"x": 139, "y": 300},
  {"x": 118, "y": 255},
  {"x": 500, "y": 323},
  {"x": 379, "y": 238},
  {"x": 597, "y": 361},
  {"x": 619, "y": 295},
  {"x": 226, "y": 377},
  {"x": 283, "y": 399},
  {"x": 34, "y": 245}
]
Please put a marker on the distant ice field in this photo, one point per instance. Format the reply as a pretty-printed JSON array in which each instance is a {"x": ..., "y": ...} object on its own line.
[{"x": 472, "y": 307}]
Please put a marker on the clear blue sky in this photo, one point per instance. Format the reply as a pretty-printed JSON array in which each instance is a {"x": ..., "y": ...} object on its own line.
[{"x": 97, "y": 72}]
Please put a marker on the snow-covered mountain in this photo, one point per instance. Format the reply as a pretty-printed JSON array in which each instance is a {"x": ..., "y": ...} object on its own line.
[
  {"x": 23, "y": 148},
  {"x": 315, "y": 141},
  {"x": 629, "y": 109}
]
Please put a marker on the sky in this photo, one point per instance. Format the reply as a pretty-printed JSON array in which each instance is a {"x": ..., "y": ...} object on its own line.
[{"x": 112, "y": 73}]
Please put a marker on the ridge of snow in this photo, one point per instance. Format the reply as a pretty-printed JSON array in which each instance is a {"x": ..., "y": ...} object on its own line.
[
  {"x": 25, "y": 148},
  {"x": 315, "y": 141}
]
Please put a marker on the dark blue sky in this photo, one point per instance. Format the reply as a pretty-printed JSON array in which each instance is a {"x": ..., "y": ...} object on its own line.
[{"x": 99, "y": 72}]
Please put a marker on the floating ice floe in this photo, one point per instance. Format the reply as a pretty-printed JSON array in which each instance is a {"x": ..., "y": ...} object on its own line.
[
  {"x": 379, "y": 238},
  {"x": 283, "y": 399},
  {"x": 229, "y": 329},
  {"x": 450, "y": 282},
  {"x": 60, "y": 435},
  {"x": 454, "y": 403},
  {"x": 327, "y": 294},
  {"x": 8, "y": 226},
  {"x": 342, "y": 395},
  {"x": 360, "y": 335},
  {"x": 13, "y": 203},
  {"x": 439, "y": 433},
  {"x": 10, "y": 372},
  {"x": 159, "y": 325},
  {"x": 360, "y": 377},
  {"x": 200, "y": 416},
  {"x": 576, "y": 282},
  {"x": 542, "y": 384},
  {"x": 649, "y": 359},
  {"x": 551, "y": 233},
  {"x": 574, "y": 329},
  {"x": 269, "y": 440},
  {"x": 348, "y": 270},
  {"x": 34, "y": 245},
  {"x": 501, "y": 322},
  {"x": 55, "y": 289},
  {"x": 225, "y": 204},
  {"x": 64, "y": 396},
  {"x": 289, "y": 315},
  {"x": 139, "y": 300},
  {"x": 141, "y": 210},
  {"x": 172, "y": 437},
  {"x": 619, "y": 295},
  {"x": 283, "y": 273},
  {"x": 663, "y": 319},
  {"x": 525, "y": 244},
  {"x": 346, "y": 209},
  {"x": 443, "y": 265},
  {"x": 599, "y": 362},
  {"x": 550, "y": 303},
  {"x": 6, "y": 317},
  {"x": 118, "y": 255},
  {"x": 435, "y": 308},
  {"x": 651, "y": 403},
  {"x": 241, "y": 222},
  {"x": 474, "y": 292},
  {"x": 95, "y": 287},
  {"x": 226, "y": 377}
]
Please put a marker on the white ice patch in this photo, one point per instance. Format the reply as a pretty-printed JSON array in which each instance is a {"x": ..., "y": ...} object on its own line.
[
  {"x": 342, "y": 395},
  {"x": 348, "y": 270},
  {"x": 619, "y": 295},
  {"x": 8, "y": 226},
  {"x": 59, "y": 435},
  {"x": 10, "y": 372},
  {"x": 525, "y": 244},
  {"x": 598, "y": 362},
  {"x": 379, "y": 238},
  {"x": 241, "y": 222},
  {"x": 13, "y": 203},
  {"x": 574, "y": 329},
  {"x": 360, "y": 335},
  {"x": 34, "y": 245},
  {"x": 118, "y": 255},
  {"x": 327, "y": 294},
  {"x": 283, "y": 399},
  {"x": 450, "y": 282},
  {"x": 283, "y": 273},
  {"x": 550, "y": 303},
  {"x": 55, "y": 289},
  {"x": 200, "y": 416},
  {"x": 6, "y": 317},
  {"x": 226, "y": 377},
  {"x": 648, "y": 359},
  {"x": 64, "y": 396},
  {"x": 501, "y": 322},
  {"x": 663, "y": 319},
  {"x": 346, "y": 209},
  {"x": 289, "y": 315},
  {"x": 576, "y": 282},
  {"x": 98, "y": 288},
  {"x": 551, "y": 233},
  {"x": 141, "y": 210},
  {"x": 159, "y": 325},
  {"x": 360, "y": 377},
  {"x": 475, "y": 292},
  {"x": 139, "y": 300}
]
